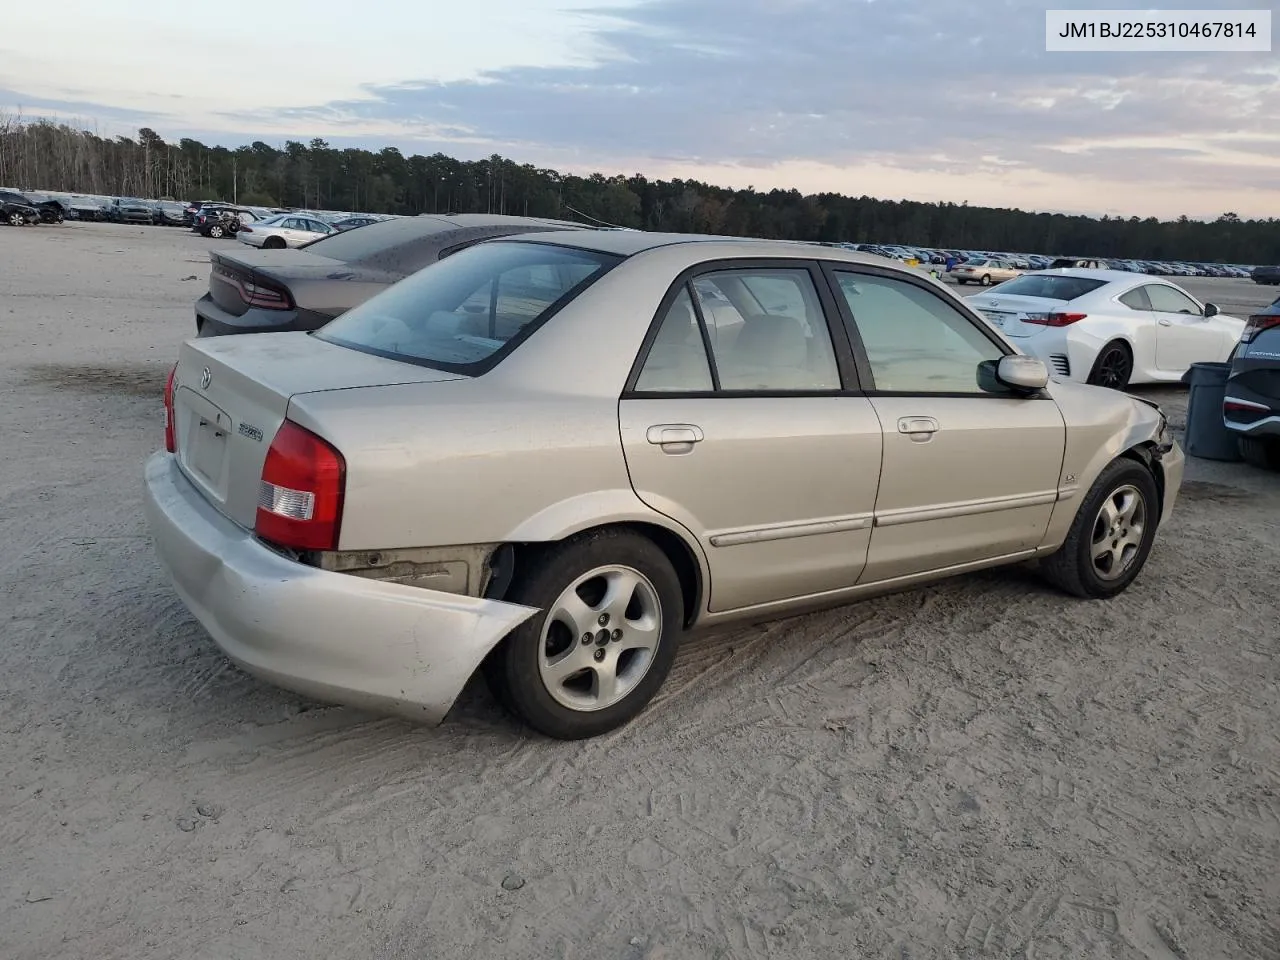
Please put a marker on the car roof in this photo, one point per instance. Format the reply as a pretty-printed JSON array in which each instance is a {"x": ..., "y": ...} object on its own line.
[
  {"x": 627, "y": 243},
  {"x": 493, "y": 220}
]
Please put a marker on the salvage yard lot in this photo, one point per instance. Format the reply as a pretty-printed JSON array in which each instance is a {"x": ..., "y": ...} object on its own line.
[{"x": 981, "y": 768}]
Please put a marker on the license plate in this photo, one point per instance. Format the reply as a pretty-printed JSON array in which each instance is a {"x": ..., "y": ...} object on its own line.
[{"x": 208, "y": 451}]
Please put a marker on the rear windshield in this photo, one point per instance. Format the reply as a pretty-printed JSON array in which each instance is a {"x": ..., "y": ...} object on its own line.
[
  {"x": 382, "y": 243},
  {"x": 1049, "y": 286},
  {"x": 466, "y": 312}
]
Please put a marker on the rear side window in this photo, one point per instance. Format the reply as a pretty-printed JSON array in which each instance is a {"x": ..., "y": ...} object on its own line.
[
  {"x": 467, "y": 312},
  {"x": 1050, "y": 286},
  {"x": 1136, "y": 299}
]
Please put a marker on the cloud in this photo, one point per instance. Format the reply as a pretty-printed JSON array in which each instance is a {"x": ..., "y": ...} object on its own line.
[{"x": 926, "y": 87}]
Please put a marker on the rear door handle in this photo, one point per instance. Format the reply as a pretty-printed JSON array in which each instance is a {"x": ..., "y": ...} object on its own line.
[
  {"x": 918, "y": 429},
  {"x": 674, "y": 437},
  {"x": 1165, "y": 323}
]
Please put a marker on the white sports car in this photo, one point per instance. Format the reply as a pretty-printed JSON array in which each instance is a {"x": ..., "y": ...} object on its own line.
[{"x": 1107, "y": 327}]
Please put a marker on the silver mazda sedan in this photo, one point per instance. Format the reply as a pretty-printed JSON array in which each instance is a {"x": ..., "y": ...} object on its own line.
[{"x": 550, "y": 457}]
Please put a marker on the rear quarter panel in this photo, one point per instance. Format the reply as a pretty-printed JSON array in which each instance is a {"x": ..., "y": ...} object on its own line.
[{"x": 468, "y": 461}]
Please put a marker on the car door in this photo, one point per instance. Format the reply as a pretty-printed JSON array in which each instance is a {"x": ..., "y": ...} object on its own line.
[
  {"x": 741, "y": 423},
  {"x": 1183, "y": 334},
  {"x": 970, "y": 471}
]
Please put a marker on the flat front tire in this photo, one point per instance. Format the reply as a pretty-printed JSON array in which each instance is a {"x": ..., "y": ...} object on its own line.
[
  {"x": 1111, "y": 535},
  {"x": 611, "y": 617}
]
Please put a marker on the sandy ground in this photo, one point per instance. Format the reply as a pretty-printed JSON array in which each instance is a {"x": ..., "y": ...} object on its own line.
[{"x": 983, "y": 768}]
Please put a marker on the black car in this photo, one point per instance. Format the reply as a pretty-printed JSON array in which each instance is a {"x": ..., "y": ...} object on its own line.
[
  {"x": 16, "y": 211},
  {"x": 260, "y": 291},
  {"x": 1251, "y": 406},
  {"x": 50, "y": 211},
  {"x": 171, "y": 213},
  {"x": 1266, "y": 275},
  {"x": 219, "y": 221}
]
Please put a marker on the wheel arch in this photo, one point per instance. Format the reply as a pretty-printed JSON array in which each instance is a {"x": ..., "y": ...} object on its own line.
[{"x": 683, "y": 556}]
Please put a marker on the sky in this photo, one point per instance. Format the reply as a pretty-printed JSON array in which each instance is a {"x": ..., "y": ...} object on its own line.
[{"x": 919, "y": 99}]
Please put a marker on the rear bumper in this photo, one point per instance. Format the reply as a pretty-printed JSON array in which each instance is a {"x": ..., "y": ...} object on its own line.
[{"x": 374, "y": 645}]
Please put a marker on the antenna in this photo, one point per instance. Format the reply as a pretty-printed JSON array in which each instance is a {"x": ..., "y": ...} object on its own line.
[{"x": 603, "y": 223}]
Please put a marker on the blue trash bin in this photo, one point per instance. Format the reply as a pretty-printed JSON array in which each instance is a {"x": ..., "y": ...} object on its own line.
[{"x": 1207, "y": 434}]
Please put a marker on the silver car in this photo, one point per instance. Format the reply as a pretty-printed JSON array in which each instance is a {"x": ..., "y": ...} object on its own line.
[
  {"x": 284, "y": 230},
  {"x": 550, "y": 457}
]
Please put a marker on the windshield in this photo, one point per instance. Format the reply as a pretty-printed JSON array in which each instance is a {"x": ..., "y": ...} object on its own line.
[
  {"x": 1050, "y": 286},
  {"x": 469, "y": 310}
]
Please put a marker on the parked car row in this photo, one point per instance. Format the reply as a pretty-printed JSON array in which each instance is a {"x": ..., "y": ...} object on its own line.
[{"x": 1036, "y": 261}]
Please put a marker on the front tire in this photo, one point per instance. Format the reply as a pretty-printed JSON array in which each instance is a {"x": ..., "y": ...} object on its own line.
[
  {"x": 612, "y": 618},
  {"x": 1260, "y": 452},
  {"x": 1111, "y": 535}
]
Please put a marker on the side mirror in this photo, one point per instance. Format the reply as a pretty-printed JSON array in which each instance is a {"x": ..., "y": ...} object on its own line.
[
  {"x": 1019, "y": 373},
  {"x": 1211, "y": 310}
]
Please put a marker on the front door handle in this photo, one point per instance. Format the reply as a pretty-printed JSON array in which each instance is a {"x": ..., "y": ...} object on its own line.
[
  {"x": 918, "y": 427},
  {"x": 674, "y": 437}
]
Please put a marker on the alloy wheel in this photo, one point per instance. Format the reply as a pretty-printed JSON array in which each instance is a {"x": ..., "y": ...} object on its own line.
[
  {"x": 1113, "y": 369},
  {"x": 600, "y": 638},
  {"x": 1117, "y": 532}
]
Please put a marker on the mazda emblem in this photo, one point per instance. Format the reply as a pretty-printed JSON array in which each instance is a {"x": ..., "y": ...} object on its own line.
[{"x": 206, "y": 378}]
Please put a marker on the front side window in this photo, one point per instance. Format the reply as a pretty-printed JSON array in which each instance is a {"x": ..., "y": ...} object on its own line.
[
  {"x": 915, "y": 342},
  {"x": 467, "y": 311},
  {"x": 1168, "y": 300}
]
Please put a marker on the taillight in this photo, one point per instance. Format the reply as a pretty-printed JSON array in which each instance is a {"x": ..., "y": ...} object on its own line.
[
  {"x": 170, "y": 433},
  {"x": 252, "y": 293},
  {"x": 1258, "y": 323},
  {"x": 245, "y": 228},
  {"x": 300, "y": 499},
  {"x": 257, "y": 295},
  {"x": 1054, "y": 319}
]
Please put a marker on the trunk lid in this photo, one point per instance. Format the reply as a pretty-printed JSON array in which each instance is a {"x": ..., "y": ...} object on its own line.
[
  {"x": 232, "y": 393},
  {"x": 309, "y": 280},
  {"x": 1006, "y": 313}
]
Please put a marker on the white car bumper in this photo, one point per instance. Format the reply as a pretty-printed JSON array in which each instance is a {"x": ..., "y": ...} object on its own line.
[{"x": 336, "y": 637}]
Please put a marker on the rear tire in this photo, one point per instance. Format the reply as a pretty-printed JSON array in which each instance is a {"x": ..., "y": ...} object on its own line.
[
  {"x": 545, "y": 671},
  {"x": 1261, "y": 452},
  {"x": 273, "y": 243},
  {"x": 16, "y": 219},
  {"x": 986, "y": 280},
  {"x": 1111, "y": 535},
  {"x": 1113, "y": 368},
  {"x": 216, "y": 231}
]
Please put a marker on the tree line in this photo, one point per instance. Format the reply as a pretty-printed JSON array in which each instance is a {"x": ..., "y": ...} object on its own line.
[{"x": 43, "y": 155}]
